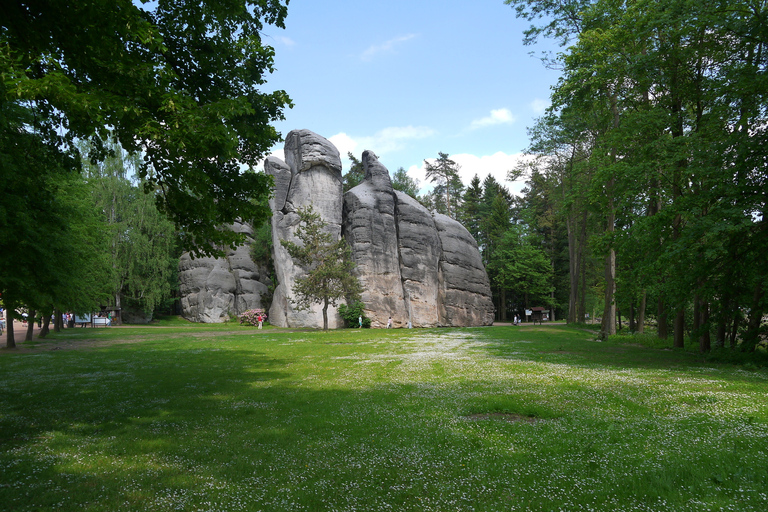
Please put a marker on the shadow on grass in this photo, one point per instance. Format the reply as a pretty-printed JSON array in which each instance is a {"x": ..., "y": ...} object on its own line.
[
  {"x": 209, "y": 424},
  {"x": 158, "y": 428},
  {"x": 580, "y": 348}
]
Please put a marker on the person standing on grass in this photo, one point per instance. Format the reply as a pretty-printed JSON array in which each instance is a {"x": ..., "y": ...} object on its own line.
[
  {"x": 360, "y": 321},
  {"x": 389, "y": 323},
  {"x": 260, "y": 319}
]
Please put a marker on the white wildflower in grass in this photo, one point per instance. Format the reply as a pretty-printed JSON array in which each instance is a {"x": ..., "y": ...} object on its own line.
[{"x": 213, "y": 418}]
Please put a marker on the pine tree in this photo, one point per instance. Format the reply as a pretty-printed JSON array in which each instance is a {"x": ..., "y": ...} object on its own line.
[{"x": 328, "y": 265}]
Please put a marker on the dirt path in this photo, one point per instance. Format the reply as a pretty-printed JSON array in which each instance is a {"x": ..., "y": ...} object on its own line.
[{"x": 19, "y": 332}]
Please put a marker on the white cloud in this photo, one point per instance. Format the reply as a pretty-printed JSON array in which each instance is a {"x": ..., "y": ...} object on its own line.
[
  {"x": 287, "y": 41},
  {"x": 539, "y": 106},
  {"x": 386, "y": 47},
  {"x": 382, "y": 142},
  {"x": 345, "y": 144},
  {"x": 496, "y": 165},
  {"x": 499, "y": 116}
]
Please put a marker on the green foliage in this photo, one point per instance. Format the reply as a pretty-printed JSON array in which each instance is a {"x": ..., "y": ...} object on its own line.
[
  {"x": 177, "y": 82},
  {"x": 328, "y": 265},
  {"x": 471, "y": 206},
  {"x": 143, "y": 245},
  {"x": 404, "y": 183},
  {"x": 52, "y": 240},
  {"x": 351, "y": 314},
  {"x": 444, "y": 172},
  {"x": 658, "y": 130},
  {"x": 523, "y": 268},
  {"x": 355, "y": 175},
  {"x": 261, "y": 249}
]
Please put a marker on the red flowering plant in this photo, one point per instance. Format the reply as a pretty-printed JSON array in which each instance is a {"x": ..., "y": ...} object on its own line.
[{"x": 251, "y": 317}]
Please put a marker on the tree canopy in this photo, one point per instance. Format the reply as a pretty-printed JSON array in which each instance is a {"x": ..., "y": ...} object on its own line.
[
  {"x": 656, "y": 144},
  {"x": 177, "y": 82}
]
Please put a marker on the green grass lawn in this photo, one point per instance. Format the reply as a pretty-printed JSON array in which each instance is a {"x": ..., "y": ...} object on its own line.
[{"x": 227, "y": 418}]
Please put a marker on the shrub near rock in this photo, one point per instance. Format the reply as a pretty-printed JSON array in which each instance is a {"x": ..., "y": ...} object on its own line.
[
  {"x": 351, "y": 314},
  {"x": 251, "y": 317}
]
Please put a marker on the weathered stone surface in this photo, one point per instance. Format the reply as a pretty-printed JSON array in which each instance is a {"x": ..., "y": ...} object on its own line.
[
  {"x": 315, "y": 169},
  {"x": 420, "y": 251},
  {"x": 423, "y": 269},
  {"x": 464, "y": 296},
  {"x": 212, "y": 289},
  {"x": 282, "y": 176},
  {"x": 371, "y": 230}
]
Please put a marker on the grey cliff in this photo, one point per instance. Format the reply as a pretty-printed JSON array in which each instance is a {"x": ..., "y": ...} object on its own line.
[
  {"x": 421, "y": 268},
  {"x": 212, "y": 289}
]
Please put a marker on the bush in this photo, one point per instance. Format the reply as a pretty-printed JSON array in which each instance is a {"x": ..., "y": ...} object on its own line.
[
  {"x": 251, "y": 317},
  {"x": 352, "y": 312}
]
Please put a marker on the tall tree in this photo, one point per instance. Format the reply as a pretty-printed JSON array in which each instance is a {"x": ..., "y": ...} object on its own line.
[
  {"x": 143, "y": 242},
  {"x": 328, "y": 265},
  {"x": 177, "y": 82},
  {"x": 673, "y": 92},
  {"x": 471, "y": 207},
  {"x": 356, "y": 173},
  {"x": 52, "y": 252},
  {"x": 524, "y": 268},
  {"x": 445, "y": 173},
  {"x": 404, "y": 183}
]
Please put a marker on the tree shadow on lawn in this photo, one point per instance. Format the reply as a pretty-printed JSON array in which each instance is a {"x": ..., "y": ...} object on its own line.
[
  {"x": 560, "y": 344},
  {"x": 183, "y": 428},
  {"x": 179, "y": 429}
]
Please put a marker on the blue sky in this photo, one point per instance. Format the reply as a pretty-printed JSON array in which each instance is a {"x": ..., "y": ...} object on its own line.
[{"x": 410, "y": 78}]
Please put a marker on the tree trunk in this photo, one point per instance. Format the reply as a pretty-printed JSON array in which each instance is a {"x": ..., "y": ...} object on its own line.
[
  {"x": 325, "y": 315},
  {"x": 696, "y": 314},
  {"x": 30, "y": 325},
  {"x": 641, "y": 314},
  {"x": 705, "y": 343},
  {"x": 57, "y": 320},
  {"x": 608, "y": 326},
  {"x": 720, "y": 336},
  {"x": 679, "y": 328},
  {"x": 552, "y": 308},
  {"x": 751, "y": 337},
  {"x": 661, "y": 319},
  {"x": 503, "y": 305},
  {"x": 583, "y": 298},
  {"x": 10, "y": 340},
  {"x": 632, "y": 326},
  {"x": 45, "y": 329},
  {"x": 573, "y": 268},
  {"x": 119, "y": 306},
  {"x": 735, "y": 330}
]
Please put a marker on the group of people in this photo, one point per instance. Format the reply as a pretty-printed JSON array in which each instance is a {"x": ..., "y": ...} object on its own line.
[{"x": 389, "y": 322}]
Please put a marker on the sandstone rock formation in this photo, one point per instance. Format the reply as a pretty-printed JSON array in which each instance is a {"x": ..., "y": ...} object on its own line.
[
  {"x": 212, "y": 289},
  {"x": 311, "y": 175},
  {"x": 421, "y": 268}
]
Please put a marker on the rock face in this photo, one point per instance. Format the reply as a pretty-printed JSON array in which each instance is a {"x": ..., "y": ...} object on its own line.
[
  {"x": 212, "y": 289},
  {"x": 311, "y": 175},
  {"x": 370, "y": 227},
  {"x": 422, "y": 269}
]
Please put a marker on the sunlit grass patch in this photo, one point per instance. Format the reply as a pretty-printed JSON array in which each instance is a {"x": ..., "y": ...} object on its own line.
[{"x": 439, "y": 419}]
